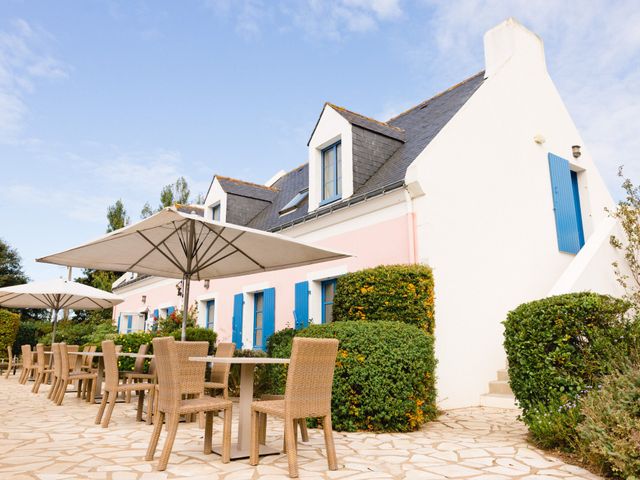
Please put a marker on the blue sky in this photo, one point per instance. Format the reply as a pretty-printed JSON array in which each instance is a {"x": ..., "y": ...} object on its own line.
[{"x": 101, "y": 100}]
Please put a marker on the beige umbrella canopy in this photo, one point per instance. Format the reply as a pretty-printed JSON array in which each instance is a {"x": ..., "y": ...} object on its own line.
[
  {"x": 173, "y": 244},
  {"x": 56, "y": 295}
]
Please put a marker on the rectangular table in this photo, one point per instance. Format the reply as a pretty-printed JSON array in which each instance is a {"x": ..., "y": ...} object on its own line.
[{"x": 248, "y": 364}]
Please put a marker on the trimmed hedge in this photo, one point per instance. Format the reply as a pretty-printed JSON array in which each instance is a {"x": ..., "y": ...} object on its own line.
[
  {"x": 557, "y": 348},
  {"x": 278, "y": 346},
  {"x": 402, "y": 293},
  {"x": 9, "y": 325},
  {"x": 384, "y": 379},
  {"x": 198, "y": 334},
  {"x": 609, "y": 434}
]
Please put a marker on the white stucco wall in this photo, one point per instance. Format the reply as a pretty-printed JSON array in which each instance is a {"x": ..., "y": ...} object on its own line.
[
  {"x": 216, "y": 195},
  {"x": 486, "y": 222}
]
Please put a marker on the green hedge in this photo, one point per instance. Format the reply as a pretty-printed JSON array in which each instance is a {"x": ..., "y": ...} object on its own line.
[
  {"x": 402, "y": 293},
  {"x": 130, "y": 344},
  {"x": 260, "y": 376},
  {"x": 9, "y": 325},
  {"x": 278, "y": 346},
  {"x": 198, "y": 334},
  {"x": 557, "y": 348},
  {"x": 384, "y": 378},
  {"x": 609, "y": 434},
  {"x": 30, "y": 332}
]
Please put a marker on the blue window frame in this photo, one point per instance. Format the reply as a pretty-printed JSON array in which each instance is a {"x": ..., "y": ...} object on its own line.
[
  {"x": 328, "y": 294},
  {"x": 215, "y": 212},
  {"x": 210, "y": 317},
  {"x": 258, "y": 321},
  {"x": 331, "y": 173},
  {"x": 129, "y": 323}
]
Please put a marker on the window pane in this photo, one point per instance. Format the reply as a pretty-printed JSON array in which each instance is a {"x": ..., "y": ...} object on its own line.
[
  {"x": 258, "y": 320},
  {"x": 210, "y": 315},
  {"x": 258, "y": 300},
  {"x": 328, "y": 312},
  {"x": 338, "y": 188},
  {"x": 328, "y": 166},
  {"x": 258, "y": 338}
]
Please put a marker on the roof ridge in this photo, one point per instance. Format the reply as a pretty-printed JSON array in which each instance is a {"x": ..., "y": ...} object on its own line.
[
  {"x": 250, "y": 184},
  {"x": 384, "y": 124},
  {"x": 425, "y": 102}
]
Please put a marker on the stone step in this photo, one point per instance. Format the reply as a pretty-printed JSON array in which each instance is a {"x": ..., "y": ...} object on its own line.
[
  {"x": 503, "y": 375},
  {"x": 500, "y": 386},
  {"x": 496, "y": 400}
]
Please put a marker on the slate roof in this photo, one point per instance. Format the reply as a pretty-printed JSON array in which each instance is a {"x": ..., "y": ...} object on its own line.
[
  {"x": 411, "y": 130},
  {"x": 247, "y": 189}
]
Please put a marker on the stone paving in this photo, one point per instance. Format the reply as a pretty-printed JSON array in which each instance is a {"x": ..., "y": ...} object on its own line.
[{"x": 39, "y": 440}]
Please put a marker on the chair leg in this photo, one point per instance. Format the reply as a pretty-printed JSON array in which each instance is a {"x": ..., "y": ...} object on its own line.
[
  {"x": 150, "y": 401},
  {"x": 79, "y": 388},
  {"x": 54, "y": 382},
  {"x": 23, "y": 377},
  {"x": 127, "y": 395},
  {"x": 63, "y": 390},
  {"x": 256, "y": 430},
  {"x": 113, "y": 396},
  {"x": 36, "y": 385},
  {"x": 140, "y": 405},
  {"x": 103, "y": 404},
  {"x": 226, "y": 435},
  {"x": 91, "y": 394},
  {"x": 292, "y": 454},
  {"x": 172, "y": 429},
  {"x": 208, "y": 431},
  {"x": 328, "y": 440},
  {"x": 262, "y": 425},
  {"x": 304, "y": 434},
  {"x": 155, "y": 436}
]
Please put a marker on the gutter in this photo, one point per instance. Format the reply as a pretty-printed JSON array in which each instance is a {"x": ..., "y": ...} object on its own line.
[{"x": 338, "y": 206}]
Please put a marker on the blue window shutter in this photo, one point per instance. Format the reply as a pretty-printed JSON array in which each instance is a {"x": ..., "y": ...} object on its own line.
[
  {"x": 301, "y": 312},
  {"x": 119, "y": 317},
  {"x": 268, "y": 315},
  {"x": 170, "y": 310},
  {"x": 564, "y": 205},
  {"x": 129, "y": 323},
  {"x": 236, "y": 327}
]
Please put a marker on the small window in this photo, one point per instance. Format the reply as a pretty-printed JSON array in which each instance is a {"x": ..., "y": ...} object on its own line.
[
  {"x": 295, "y": 202},
  {"x": 215, "y": 212},
  {"x": 258, "y": 317},
  {"x": 331, "y": 173},
  {"x": 328, "y": 294},
  {"x": 211, "y": 308}
]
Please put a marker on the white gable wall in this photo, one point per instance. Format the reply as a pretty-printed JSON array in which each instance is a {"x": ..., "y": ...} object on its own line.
[
  {"x": 486, "y": 222},
  {"x": 216, "y": 195}
]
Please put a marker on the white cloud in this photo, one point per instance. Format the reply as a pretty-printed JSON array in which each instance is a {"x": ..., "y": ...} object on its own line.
[
  {"x": 25, "y": 58},
  {"x": 593, "y": 56}
]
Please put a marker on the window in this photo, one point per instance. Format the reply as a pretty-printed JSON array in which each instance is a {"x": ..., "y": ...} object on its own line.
[
  {"x": 211, "y": 306},
  {"x": 566, "y": 205},
  {"x": 215, "y": 212},
  {"x": 328, "y": 294},
  {"x": 295, "y": 202},
  {"x": 129, "y": 323},
  {"x": 331, "y": 173},
  {"x": 258, "y": 317}
]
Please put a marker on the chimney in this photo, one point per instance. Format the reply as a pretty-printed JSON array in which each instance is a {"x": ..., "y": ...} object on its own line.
[{"x": 511, "y": 41}]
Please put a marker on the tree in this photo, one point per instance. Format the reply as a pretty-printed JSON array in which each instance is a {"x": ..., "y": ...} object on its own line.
[
  {"x": 628, "y": 214},
  {"x": 11, "y": 272},
  {"x": 147, "y": 211},
  {"x": 117, "y": 216},
  {"x": 170, "y": 195}
]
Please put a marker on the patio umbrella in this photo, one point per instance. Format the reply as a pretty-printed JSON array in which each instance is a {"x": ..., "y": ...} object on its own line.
[
  {"x": 56, "y": 295},
  {"x": 174, "y": 244}
]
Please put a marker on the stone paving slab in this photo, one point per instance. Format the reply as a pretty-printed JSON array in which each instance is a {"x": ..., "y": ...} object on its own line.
[{"x": 41, "y": 441}]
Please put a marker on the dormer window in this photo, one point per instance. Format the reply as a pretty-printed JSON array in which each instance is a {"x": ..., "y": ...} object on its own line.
[
  {"x": 331, "y": 173},
  {"x": 215, "y": 212}
]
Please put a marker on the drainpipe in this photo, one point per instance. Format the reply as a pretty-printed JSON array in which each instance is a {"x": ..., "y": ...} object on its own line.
[{"x": 411, "y": 227}]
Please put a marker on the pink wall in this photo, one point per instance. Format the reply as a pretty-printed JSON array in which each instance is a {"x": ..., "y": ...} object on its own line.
[{"x": 383, "y": 243}]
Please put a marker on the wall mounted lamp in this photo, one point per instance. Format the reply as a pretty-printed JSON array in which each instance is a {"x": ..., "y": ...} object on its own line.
[{"x": 575, "y": 149}]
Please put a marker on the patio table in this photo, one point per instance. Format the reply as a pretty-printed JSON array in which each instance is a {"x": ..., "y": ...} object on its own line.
[
  {"x": 100, "y": 372},
  {"x": 248, "y": 364}
]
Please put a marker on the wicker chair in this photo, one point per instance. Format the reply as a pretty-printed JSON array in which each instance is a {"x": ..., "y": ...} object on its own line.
[
  {"x": 177, "y": 376},
  {"x": 219, "y": 379},
  {"x": 112, "y": 386},
  {"x": 307, "y": 394},
  {"x": 55, "y": 375},
  {"x": 137, "y": 374},
  {"x": 42, "y": 368},
  {"x": 12, "y": 362},
  {"x": 28, "y": 368},
  {"x": 67, "y": 377}
]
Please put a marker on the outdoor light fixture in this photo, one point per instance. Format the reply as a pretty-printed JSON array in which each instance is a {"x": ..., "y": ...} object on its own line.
[
  {"x": 179, "y": 288},
  {"x": 206, "y": 283},
  {"x": 144, "y": 299},
  {"x": 539, "y": 139},
  {"x": 576, "y": 151}
]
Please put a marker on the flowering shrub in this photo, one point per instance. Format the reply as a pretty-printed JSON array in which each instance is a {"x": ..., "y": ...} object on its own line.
[
  {"x": 399, "y": 293},
  {"x": 9, "y": 325}
]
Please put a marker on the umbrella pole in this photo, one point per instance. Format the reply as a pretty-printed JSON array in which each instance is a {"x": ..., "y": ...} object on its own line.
[
  {"x": 186, "y": 280},
  {"x": 55, "y": 322}
]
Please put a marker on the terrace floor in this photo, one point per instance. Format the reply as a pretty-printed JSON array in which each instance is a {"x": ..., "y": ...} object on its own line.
[{"x": 39, "y": 440}]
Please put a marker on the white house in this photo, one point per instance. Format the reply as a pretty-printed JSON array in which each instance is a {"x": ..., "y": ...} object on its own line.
[{"x": 488, "y": 182}]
